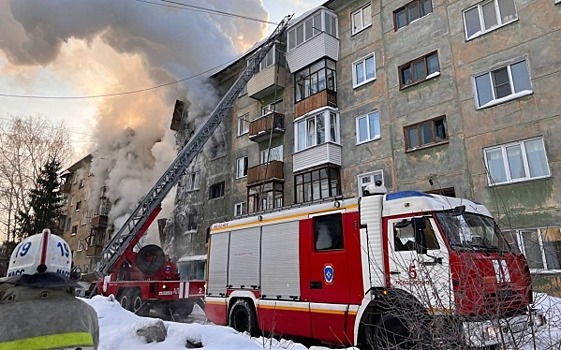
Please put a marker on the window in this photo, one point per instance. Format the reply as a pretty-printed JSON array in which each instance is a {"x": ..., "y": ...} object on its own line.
[
  {"x": 273, "y": 56},
  {"x": 364, "y": 70},
  {"x": 81, "y": 183},
  {"x": 84, "y": 218},
  {"x": 275, "y": 153},
  {"x": 317, "y": 129},
  {"x": 426, "y": 133},
  {"x": 276, "y": 106},
  {"x": 368, "y": 127},
  {"x": 411, "y": 12},
  {"x": 216, "y": 190},
  {"x": 74, "y": 230},
  {"x": 243, "y": 124},
  {"x": 321, "y": 21},
  {"x": 406, "y": 230},
  {"x": 419, "y": 70},
  {"x": 328, "y": 232},
  {"x": 241, "y": 167},
  {"x": 541, "y": 246},
  {"x": 193, "y": 181},
  {"x": 369, "y": 178},
  {"x": 192, "y": 221},
  {"x": 318, "y": 77},
  {"x": 68, "y": 223},
  {"x": 78, "y": 205},
  {"x": 503, "y": 84},
  {"x": 239, "y": 209},
  {"x": 317, "y": 184},
  {"x": 517, "y": 161},
  {"x": 488, "y": 16},
  {"x": 266, "y": 196},
  {"x": 361, "y": 18}
]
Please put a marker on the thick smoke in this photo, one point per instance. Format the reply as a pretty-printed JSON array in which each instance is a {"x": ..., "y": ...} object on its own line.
[{"x": 107, "y": 46}]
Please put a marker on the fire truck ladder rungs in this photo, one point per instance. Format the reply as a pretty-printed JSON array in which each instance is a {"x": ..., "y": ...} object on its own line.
[{"x": 132, "y": 227}]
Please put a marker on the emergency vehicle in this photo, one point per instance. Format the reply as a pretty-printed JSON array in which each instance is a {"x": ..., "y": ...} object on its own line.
[{"x": 389, "y": 270}]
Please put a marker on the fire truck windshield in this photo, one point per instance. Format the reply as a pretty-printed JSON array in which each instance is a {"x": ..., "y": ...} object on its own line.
[{"x": 469, "y": 231}]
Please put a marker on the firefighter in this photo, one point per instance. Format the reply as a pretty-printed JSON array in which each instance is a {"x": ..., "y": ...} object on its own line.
[{"x": 38, "y": 309}]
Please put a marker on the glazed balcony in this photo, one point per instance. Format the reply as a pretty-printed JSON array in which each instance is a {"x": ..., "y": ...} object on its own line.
[
  {"x": 265, "y": 172},
  {"x": 261, "y": 129},
  {"x": 267, "y": 81},
  {"x": 325, "y": 98},
  {"x": 99, "y": 221}
]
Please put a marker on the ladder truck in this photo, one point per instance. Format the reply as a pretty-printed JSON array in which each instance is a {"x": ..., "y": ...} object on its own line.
[{"x": 147, "y": 279}]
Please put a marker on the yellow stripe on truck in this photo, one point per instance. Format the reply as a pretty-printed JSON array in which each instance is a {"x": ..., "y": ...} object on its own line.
[{"x": 53, "y": 341}]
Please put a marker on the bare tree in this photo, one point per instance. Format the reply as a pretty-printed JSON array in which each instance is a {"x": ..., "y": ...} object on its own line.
[{"x": 26, "y": 144}]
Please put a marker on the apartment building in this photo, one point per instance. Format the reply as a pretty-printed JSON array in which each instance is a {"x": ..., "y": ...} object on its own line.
[
  {"x": 84, "y": 218},
  {"x": 457, "y": 97}
]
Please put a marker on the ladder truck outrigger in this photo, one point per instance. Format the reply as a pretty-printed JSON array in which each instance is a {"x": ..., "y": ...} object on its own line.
[{"x": 147, "y": 279}]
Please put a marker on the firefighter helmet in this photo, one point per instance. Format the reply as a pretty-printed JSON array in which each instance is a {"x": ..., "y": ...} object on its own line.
[{"x": 42, "y": 252}]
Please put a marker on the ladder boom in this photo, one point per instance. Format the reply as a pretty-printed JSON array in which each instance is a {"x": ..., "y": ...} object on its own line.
[{"x": 133, "y": 229}]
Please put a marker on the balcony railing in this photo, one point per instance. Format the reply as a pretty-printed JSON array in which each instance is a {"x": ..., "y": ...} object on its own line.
[
  {"x": 261, "y": 129},
  {"x": 321, "y": 99},
  {"x": 94, "y": 250},
  {"x": 265, "y": 172},
  {"x": 99, "y": 221}
]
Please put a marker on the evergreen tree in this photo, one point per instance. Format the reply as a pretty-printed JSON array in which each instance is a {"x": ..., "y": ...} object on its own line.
[{"x": 45, "y": 200}]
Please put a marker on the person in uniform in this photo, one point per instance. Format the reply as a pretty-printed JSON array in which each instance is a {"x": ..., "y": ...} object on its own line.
[{"x": 38, "y": 309}]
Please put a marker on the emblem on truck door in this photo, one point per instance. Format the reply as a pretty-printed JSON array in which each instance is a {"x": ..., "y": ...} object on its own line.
[{"x": 328, "y": 273}]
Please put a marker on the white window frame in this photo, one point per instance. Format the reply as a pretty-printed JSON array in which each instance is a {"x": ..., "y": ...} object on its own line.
[
  {"x": 276, "y": 153},
  {"x": 241, "y": 167},
  {"x": 316, "y": 29},
  {"x": 356, "y": 28},
  {"x": 240, "y": 208},
  {"x": 303, "y": 144},
  {"x": 514, "y": 95},
  {"x": 503, "y": 149},
  {"x": 369, "y": 137},
  {"x": 271, "y": 107},
  {"x": 243, "y": 124},
  {"x": 484, "y": 31},
  {"x": 193, "y": 181},
  {"x": 362, "y": 61},
  {"x": 370, "y": 178},
  {"x": 522, "y": 247}
]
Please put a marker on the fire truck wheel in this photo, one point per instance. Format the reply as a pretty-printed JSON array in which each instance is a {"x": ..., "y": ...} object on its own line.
[
  {"x": 136, "y": 300},
  {"x": 185, "y": 308},
  {"x": 242, "y": 318},
  {"x": 395, "y": 332},
  {"x": 125, "y": 299}
]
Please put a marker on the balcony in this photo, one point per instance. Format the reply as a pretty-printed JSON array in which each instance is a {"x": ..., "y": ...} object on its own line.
[
  {"x": 264, "y": 172},
  {"x": 320, "y": 46},
  {"x": 67, "y": 186},
  {"x": 324, "y": 153},
  {"x": 99, "y": 221},
  {"x": 321, "y": 99},
  {"x": 266, "y": 82},
  {"x": 261, "y": 129},
  {"x": 94, "y": 250}
]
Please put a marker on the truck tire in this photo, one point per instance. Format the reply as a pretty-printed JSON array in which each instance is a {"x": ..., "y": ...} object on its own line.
[
  {"x": 184, "y": 308},
  {"x": 150, "y": 259},
  {"x": 393, "y": 331},
  {"x": 136, "y": 300},
  {"x": 242, "y": 318},
  {"x": 125, "y": 298}
]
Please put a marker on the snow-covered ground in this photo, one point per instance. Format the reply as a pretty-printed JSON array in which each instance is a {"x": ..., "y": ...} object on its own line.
[{"x": 118, "y": 330}]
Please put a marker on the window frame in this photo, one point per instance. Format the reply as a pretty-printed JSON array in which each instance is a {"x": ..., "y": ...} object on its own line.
[
  {"x": 272, "y": 107},
  {"x": 506, "y": 168},
  {"x": 372, "y": 178},
  {"x": 242, "y": 206},
  {"x": 277, "y": 152},
  {"x": 409, "y": 65},
  {"x": 368, "y": 128},
  {"x": 520, "y": 245},
  {"x": 193, "y": 181},
  {"x": 217, "y": 190},
  {"x": 512, "y": 96},
  {"x": 329, "y": 130},
  {"x": 434, "y": 142},
  {"x": 354, "y": 28},
  {"x": 266, "y": 196},
  {"x": 243, "y": 124},
  {"x": 334, "y": 224},
  {"x": 304, "y": 184},
  {"x": 306, "y": 79},
  {"x": 292, "y": 33},
  {"x": 481, "y": 22},
  {"x": 406, "y": 9},
  {"x": 362, "y": 61},
  {"x": 241, "y": 167}
]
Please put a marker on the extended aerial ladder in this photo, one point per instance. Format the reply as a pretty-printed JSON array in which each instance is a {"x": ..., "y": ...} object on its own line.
[{"x": 122, "y": 243}]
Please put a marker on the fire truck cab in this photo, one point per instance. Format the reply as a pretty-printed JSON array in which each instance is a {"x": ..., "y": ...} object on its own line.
[{"x": 388, "y": 270}]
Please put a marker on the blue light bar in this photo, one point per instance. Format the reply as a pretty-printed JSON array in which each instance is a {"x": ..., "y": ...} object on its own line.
[{"x": 405, "y": 194}]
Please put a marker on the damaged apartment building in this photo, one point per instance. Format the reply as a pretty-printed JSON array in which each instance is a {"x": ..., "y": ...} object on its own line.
[{"x": 458, "y": 98}]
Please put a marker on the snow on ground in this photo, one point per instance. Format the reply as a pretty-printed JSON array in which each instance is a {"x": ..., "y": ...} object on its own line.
[{"x": 118, "y": 331}]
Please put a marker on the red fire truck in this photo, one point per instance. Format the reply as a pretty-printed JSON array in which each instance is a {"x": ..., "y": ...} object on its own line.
[{"x": 386, "y": 271}]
